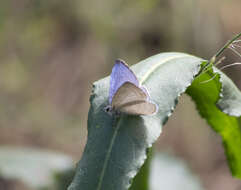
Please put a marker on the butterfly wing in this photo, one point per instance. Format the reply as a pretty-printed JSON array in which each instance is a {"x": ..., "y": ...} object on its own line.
[
  {"x": 140, "y": 108},
  {"x": 120, "y": 74},
  {"x": 132, "y": 100}
]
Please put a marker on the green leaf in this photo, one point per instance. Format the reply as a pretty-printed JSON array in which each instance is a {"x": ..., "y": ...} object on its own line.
[
  {"x": 116, "y": 149},
  {"x": 63, "y": 179},
  {"x": 230, "y": 101},
  {"x": 141, "y": 180},
  {"x": 206, "y": 96}
]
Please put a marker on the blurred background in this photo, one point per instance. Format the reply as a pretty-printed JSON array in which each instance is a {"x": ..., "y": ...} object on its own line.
[{"x": 52, "y": 51}]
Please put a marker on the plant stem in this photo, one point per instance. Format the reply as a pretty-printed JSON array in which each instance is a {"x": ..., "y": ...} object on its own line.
[
  {"x": 220, "y": 51},
  {"x": 227, "y": 44}
]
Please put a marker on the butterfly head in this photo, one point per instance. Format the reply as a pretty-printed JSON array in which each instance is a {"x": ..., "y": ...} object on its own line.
[{"x": 110, "y": 110}]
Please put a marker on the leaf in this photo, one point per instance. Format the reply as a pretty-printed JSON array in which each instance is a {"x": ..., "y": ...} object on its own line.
[
  {"x": 63, "y": 179},
  {"x": 230, "y": 101},
  {"x": 141, "y": 180},
  {"x": 116, "y": 149},
  {"x": 206, "y": 95}
]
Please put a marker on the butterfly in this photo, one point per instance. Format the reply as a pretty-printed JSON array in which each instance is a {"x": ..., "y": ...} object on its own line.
[{"x": 126, "y": 95}]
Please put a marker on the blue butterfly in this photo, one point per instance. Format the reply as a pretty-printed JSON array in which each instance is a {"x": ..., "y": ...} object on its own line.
[{"x": 126, "y": 95}]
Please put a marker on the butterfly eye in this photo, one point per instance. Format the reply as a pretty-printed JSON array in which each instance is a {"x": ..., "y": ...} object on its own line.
[{"x": 107, "y": 109}]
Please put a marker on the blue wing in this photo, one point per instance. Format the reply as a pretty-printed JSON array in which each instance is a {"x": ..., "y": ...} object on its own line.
[{"x": 120, "y": 74}]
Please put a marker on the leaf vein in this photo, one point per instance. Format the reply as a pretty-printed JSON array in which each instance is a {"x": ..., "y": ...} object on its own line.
[{"x": 107, "y": 158}]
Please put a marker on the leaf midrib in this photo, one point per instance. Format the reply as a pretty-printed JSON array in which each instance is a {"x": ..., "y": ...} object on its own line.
[
  {"x": 109, "y": 153},
  {"x": 154, "y": 67}
]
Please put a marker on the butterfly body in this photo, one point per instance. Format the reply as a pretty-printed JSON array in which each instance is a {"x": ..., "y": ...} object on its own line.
[{"x": 126, "y": 95}]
